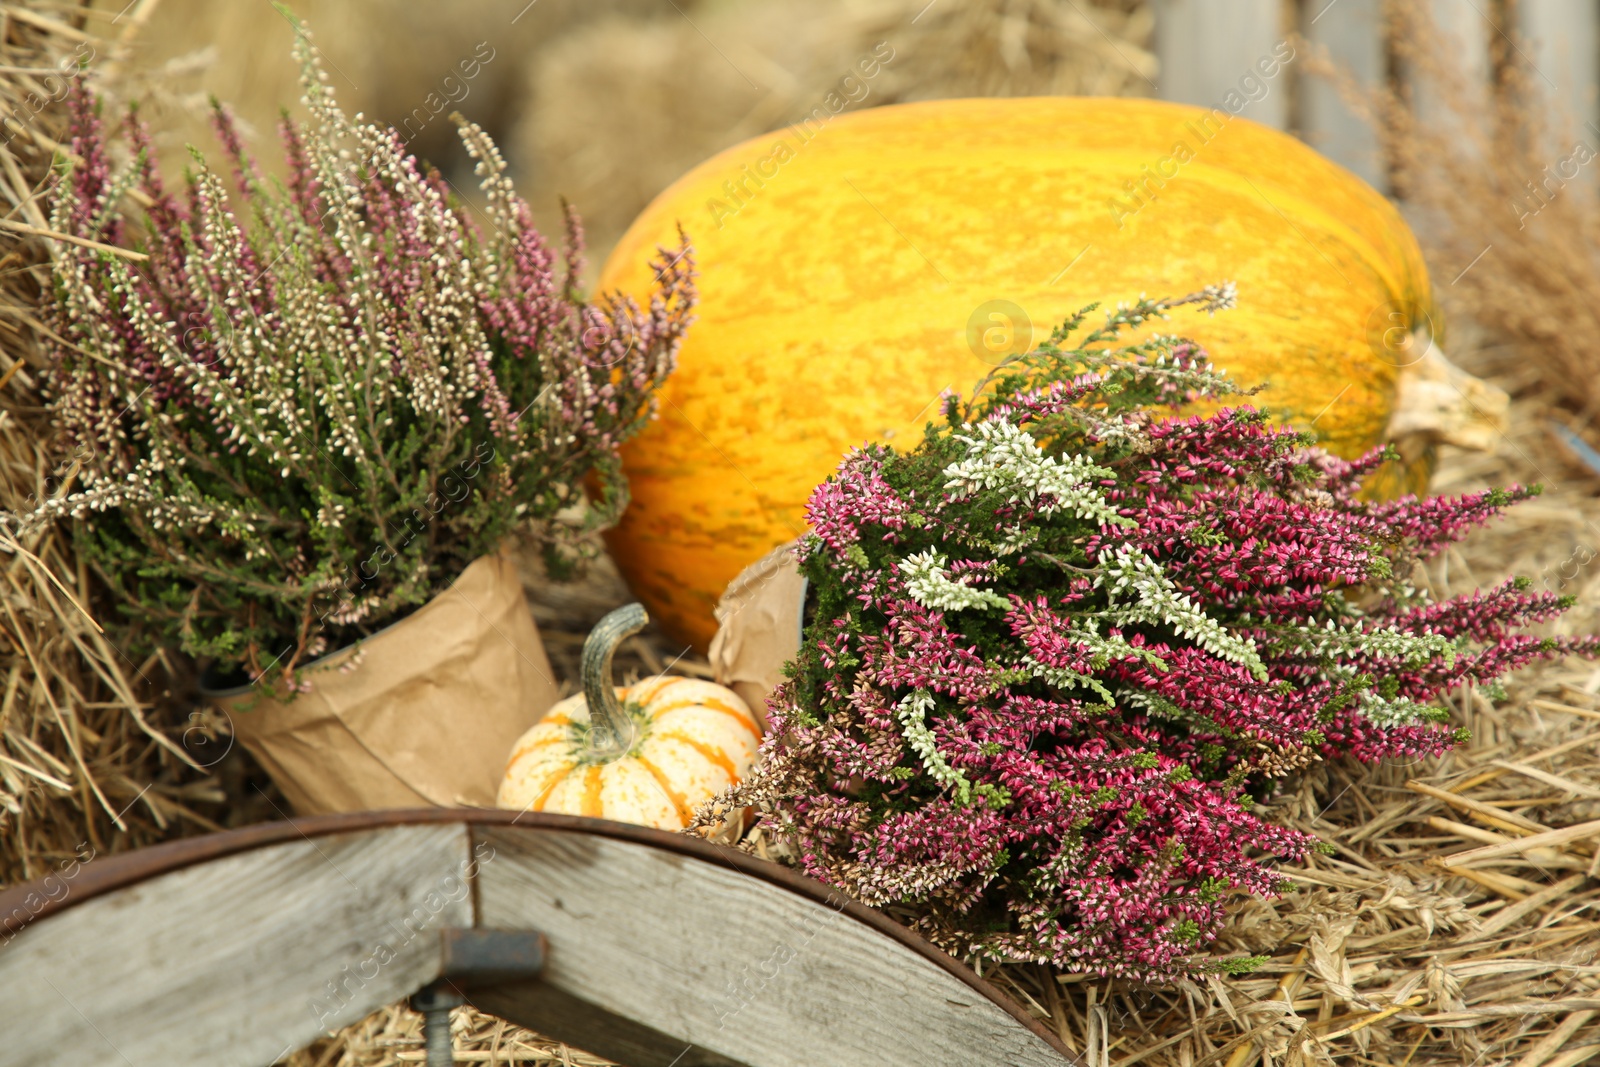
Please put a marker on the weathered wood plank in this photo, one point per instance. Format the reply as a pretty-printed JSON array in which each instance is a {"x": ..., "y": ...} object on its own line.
[
  {"x": 1208, "y": 50},
  {"x": 1350, "y": 34},
  {"x": 236, "y": 961},
  {"x": 1463, "y": 29},
  {"x": 721, "y": 961},
  {"x": 545, "y": 1008},
  {"x": 1562, "y": 46},
  {"x": 223, "y": 949}
]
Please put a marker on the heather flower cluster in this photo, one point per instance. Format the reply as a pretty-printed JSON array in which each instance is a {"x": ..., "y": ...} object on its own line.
[
  {"x": 318, "y": 400},
  {"x": 1060, "y": 650}
]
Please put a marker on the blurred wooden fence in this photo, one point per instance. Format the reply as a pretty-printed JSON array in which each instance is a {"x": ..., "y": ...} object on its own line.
[{"x": 1210, "y": 49}]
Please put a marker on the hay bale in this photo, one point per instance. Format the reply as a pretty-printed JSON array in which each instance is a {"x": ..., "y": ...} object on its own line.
[
  {"x": 606, "y": 102},
  {"x": 405, "y": 64},
  {"x": 620, "y": 109},
  {"x": 1014, "y": 48},
  {"x": 617, "y": 110},
  {"x": 88, "y": 761}
]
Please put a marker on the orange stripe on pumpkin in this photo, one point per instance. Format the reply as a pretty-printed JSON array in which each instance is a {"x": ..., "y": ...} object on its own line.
[
  {"x": 711, "y": 754},
  {"x": 523, "y": 750},
  {"x": 677, "y": 798},
  {"x": 712, "y": 704},
  {"x": 591, "y": 793},
  {"x": 550, "y": 787}
]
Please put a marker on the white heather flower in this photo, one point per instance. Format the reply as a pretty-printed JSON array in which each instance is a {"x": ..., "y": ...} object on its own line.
[
  {"x": 1062, "y": 678},
  {"x": 1413, "y": 650},
  {"x": 1102, "y": 648},
  {"x": 1086, "y": 632},
  {"x": 1222, "y": 297},
  {"x": 1398, "y": 712},
  {"x": 331, "y": 515},
  {"x": 1001, "y": 455},
  {"x": 1154, "y": 703},
  {"x": 1128, "y": 570},
  {"x": 932, "y": 587},
  {"x": 912, "y": 711}
]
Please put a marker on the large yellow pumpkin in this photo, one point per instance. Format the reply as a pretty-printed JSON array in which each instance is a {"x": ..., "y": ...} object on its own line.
[
  {"x": 647, "y": 754},
  {"x": 852, "y": 268}
]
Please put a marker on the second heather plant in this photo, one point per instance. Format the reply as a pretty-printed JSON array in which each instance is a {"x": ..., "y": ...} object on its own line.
[
  {"x": 1062, "y": 647},
  {"x": 317, "y": 401}
]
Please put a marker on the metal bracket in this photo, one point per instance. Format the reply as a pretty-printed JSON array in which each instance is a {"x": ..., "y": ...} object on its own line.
[{"x": 471, "y": 957}]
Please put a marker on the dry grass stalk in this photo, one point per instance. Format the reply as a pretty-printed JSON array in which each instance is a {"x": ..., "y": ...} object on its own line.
[{"x": 1501, "y": 187}]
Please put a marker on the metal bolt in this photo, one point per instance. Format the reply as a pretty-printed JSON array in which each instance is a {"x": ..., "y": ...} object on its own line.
[{"x": 434, "y": 1001}]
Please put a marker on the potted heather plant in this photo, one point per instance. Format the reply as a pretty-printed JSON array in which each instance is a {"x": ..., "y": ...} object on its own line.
[
  {"x": 318, "y": 409},
  {"x": 1057, "y": 652}
]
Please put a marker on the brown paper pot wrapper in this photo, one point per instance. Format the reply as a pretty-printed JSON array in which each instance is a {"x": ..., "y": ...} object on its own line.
[
  {"x": 425, "y": 716},
  {"x": 759, "y": 620}
]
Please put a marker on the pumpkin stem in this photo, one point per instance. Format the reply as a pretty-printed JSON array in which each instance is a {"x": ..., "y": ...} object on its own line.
[{"x": 610, "y": 727}]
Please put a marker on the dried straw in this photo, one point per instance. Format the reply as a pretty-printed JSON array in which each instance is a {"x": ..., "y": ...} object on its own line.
[
  {"x": 87, "y": 757},
  {"x": 392, "y": 1036}
]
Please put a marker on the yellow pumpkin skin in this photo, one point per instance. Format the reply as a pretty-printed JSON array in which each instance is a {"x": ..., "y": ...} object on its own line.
[
  {"x": 693, "y": 740},
  {"x": 838, "y": 275}
]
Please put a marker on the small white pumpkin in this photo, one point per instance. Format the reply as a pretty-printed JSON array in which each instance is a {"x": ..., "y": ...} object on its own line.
[{"x": 647, "y": 754}]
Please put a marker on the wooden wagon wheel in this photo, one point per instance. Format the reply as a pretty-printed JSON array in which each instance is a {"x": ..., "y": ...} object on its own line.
[{"x": 660, "y": 949}]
